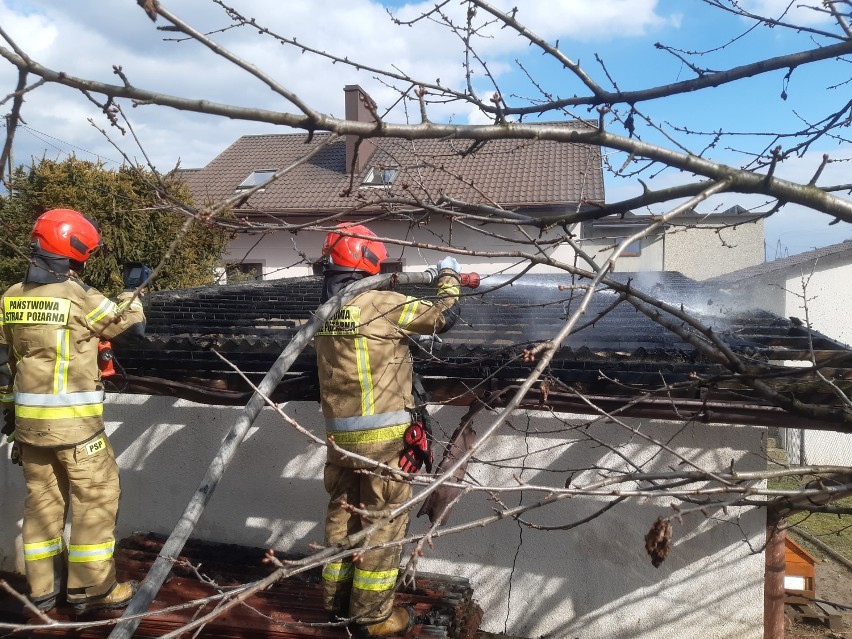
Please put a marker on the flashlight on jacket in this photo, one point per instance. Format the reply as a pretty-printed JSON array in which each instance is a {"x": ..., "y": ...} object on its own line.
[{"x": 105, "y": 358}]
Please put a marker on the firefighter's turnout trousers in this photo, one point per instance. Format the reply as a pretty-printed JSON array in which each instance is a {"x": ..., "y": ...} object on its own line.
[
  {"x": 51, "y": 333},
  {"x": 84, "y": 477},
  {"x": 365, "y": 372},
  {"x": 365, "y": 588}
]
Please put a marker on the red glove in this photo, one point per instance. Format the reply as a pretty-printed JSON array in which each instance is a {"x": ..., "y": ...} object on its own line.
[{"x": 417, "y": 449}]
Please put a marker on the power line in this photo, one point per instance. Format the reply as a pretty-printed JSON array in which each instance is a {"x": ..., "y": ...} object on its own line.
[{"x": 36, "y": 134}]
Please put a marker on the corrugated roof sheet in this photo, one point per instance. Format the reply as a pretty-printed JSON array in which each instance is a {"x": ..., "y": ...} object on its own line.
[{"x": 613, "y": 345}]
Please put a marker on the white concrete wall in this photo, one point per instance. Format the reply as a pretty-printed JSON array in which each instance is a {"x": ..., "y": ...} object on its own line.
[
  {"x": 826, "y": 447},
  {"x": 826, "y": 291},
  {"x": 700, "y": 252},
  {"x": 829, "y": 300},
  {"x": 592, "y": 581}
]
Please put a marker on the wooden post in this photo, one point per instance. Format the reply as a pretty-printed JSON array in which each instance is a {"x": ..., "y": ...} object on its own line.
[{"x": 773, "y": 587}]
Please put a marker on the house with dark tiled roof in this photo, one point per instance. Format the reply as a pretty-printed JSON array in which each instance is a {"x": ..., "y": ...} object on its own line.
[
  {"x": 375, "y": 177},
  {"x": 400, "y": 179}
]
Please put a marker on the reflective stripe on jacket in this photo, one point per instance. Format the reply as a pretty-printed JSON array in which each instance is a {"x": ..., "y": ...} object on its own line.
[
  {"x": 50, "y": 333},
  {"x": 364, "y": 362}
]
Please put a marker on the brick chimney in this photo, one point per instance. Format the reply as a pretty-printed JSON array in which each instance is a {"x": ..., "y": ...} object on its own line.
[{"x": 356, "y": 109}]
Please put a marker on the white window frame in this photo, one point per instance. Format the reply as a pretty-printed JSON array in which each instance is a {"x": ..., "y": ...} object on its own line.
[
  {"x": 258, "y": 176},
  {"x": 380, "y": 176}
]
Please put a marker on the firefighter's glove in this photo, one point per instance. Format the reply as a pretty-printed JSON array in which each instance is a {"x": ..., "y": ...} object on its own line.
[
  {"x": 418, "y": 450},
  {"x": 8, "y": 418},
  {"x": 16, "y": 454},
  {"x": 449, "y": 263}
]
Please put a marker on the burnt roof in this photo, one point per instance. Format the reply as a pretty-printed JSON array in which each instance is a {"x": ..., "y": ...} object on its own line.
[
  {"x": 512, "y": 173},
  {"x": 615, "y": 351}
]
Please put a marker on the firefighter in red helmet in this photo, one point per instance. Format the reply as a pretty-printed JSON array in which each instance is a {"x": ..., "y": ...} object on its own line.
[
  {"x": 365, "y": 375},
  {"x": 50, "y": 328}
]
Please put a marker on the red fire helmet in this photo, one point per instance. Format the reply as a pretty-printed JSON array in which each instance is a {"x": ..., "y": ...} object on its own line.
[
  {"x": 67, "y": 233},
  {"x": 357, "y": 253}
]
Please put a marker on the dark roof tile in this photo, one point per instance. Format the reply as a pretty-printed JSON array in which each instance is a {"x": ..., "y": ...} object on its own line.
[{"x": 512, "y": 173}]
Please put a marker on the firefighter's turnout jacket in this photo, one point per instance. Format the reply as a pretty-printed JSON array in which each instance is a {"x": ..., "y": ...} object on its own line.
[
  {"x": 49, "y": 335},
  {"x": 365, "y": 374}
]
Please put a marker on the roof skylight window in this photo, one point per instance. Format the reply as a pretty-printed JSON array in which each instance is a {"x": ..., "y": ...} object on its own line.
[
  {"x": 380, "y": 176},
  {"x": 256, "y": 178}
]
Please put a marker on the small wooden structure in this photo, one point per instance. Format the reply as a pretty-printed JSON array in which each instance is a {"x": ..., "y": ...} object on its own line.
[
  {"x": 799, "y": 577},
  {"x": 800, "y": 589}
]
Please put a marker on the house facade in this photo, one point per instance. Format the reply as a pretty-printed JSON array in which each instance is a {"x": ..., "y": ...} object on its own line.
[
  {"x": 345, "y": 180},
  {"x": 697, "y": 245}
]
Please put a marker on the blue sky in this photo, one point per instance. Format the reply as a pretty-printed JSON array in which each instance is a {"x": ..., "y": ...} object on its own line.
[{"x": 87, "y": 37}]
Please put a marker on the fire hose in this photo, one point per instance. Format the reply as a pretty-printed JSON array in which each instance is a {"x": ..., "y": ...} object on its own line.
[{"x": 172, "y": 547}]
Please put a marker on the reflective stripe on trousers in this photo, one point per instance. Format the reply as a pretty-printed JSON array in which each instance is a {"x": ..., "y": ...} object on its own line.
[
  {"x": 82, "y": 482},
  {"x": 81, "y": 553},
  {"x": 338, "y": 571},
  {"x": 374, "y": 580},
  {"x": 42, "y": 549}
]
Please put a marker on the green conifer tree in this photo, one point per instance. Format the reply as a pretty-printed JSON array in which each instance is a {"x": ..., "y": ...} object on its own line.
[{"x": 136, "y": 223}]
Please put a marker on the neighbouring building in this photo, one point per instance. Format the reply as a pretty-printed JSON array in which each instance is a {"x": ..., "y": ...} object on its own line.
[
  {"x": 812, "y": 289},
  {"x": 698, "y": 245},
  {"x": 537, "y": 178}
]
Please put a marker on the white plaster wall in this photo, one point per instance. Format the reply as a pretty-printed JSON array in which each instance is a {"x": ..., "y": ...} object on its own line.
[
  {"x": 829, "y": 300},
  {"x": 695, "y": 252},
  {"x": 593, "y": 581},
  {"x": 828, "y": 294},
  {"x": 827, "y": 447},
  {"x": 700, "y": 253}
]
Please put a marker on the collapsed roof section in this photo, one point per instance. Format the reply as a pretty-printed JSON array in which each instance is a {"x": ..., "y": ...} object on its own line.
[{"x": 615, "y": 354}]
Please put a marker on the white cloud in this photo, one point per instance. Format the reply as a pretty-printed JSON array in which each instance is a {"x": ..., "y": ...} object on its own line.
[
  {"x": 591, "y": 19},
  {"x": 86, "y": 38},
  {"x": 793, "y": 12},
  {"x": 32, "y": 31}
]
